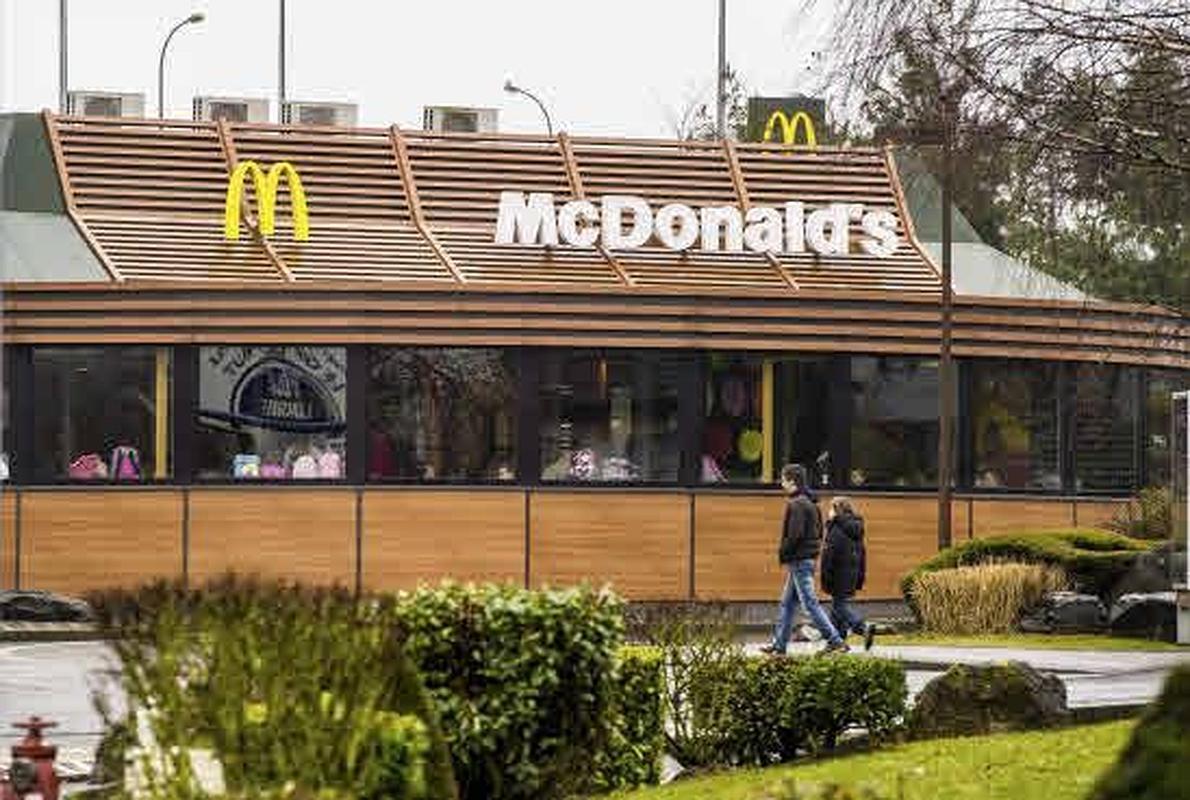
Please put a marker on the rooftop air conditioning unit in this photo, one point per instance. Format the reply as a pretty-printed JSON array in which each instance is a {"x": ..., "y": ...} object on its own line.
[
  {"x": 232, "y": 109},
  {"x": 456, "y": 119},
  {"x": 105, "y": 104},
  {"x": 341, "y": 115}
]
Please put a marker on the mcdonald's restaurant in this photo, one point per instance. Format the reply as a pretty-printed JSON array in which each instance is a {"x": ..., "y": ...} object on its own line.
[{"x": 375, "y": 357}]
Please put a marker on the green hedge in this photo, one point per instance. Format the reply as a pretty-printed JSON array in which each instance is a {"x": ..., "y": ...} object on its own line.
[
  {"x": 1093, "y": 559},
  {"x": 633, "y": 754},
  {"x": 1155, "y": 764},
  {"x": 524, "y": 683},
  {"x": 291, "y": 687},
  {"x": 765, "y": 711}
]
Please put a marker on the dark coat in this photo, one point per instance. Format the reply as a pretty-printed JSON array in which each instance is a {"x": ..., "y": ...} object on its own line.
[
  {"x": 844, "y": 559},
  {"x": 801, "y": 532}
]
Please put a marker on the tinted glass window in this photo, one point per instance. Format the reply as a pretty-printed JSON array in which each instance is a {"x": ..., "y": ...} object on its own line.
[
  {"x": 1014, "y": 420},
  {"x": 894, "y": 432}
]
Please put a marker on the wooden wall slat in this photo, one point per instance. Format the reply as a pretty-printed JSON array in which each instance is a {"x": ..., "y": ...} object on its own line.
[
  {"x": 639, "y": 543},
  {"x": 1096, "y": 513},
  {"x": 991, "y": 517},
  {"x": 306, "y": 535},
  {"x": 427, "y": 536},
  {"x": 74, "y": 541},
  {"x": 8, "y": 531}
]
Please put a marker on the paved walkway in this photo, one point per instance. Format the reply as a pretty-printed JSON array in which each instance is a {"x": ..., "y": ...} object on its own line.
[{"x": 57, "y": 679}]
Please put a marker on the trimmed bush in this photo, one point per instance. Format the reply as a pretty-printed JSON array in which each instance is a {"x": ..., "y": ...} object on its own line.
[
  {"x": 986, "y": 598},
  {"x": 295, "y": 690},
  {"x": 633, "y": 754},
  {"x": 1155, "y": 765},
  {"x": 766, "y": 711},
  {"x": 524, "y": 683},
  {"x": 1092, "y": 559}
]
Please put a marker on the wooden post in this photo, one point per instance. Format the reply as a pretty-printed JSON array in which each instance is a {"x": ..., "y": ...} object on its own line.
[{"x": 161, "y": 415}]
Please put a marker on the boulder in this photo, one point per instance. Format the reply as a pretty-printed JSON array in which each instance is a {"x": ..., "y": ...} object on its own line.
[
  {"x": 1066, "y": 612},
  {"x": 985, "y": 699},
  {"x": 1148, "y": 616},
  {"x": 37, "y": 606},
  {"x": 1150, "y": 572}
]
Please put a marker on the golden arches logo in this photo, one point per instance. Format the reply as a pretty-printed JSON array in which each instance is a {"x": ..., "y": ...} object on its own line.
[
  {"x": 789, "y": 127},
  {"x": 266, "y": 187}
]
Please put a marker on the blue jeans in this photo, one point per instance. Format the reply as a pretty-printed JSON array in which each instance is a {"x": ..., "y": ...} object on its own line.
[
  {"x": 799, "y": 588},
  {"x": 845, "y": 618}
]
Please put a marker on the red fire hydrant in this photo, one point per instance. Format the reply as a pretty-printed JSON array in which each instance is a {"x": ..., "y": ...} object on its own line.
[{"x": 31, "y": 773}]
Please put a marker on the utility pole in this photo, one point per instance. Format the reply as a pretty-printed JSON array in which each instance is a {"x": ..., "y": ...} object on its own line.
[
  {"x": 721, "y": 82},
  {"x": 62, "y": 82},
  {"x": 281, "y": 66},
  {"x": 946, "y": 382}
]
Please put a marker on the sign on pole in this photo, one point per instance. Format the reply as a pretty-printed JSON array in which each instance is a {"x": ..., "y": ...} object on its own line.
[{"x": 794, "y": 120}]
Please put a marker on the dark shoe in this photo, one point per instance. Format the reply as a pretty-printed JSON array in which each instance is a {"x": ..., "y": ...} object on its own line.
[
  {"x": 772, "y": 650},
  {"x": 838, "y": 647},
  {"x": 869, "y": 636}
]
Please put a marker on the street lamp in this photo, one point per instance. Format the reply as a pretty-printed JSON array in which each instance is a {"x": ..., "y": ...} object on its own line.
[
  {"x": 512, "y": 88},
  {"x": 196, "y": 17}
]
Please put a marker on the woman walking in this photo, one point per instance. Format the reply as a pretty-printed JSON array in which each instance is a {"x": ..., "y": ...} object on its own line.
[{"x": 844, "y": 567}]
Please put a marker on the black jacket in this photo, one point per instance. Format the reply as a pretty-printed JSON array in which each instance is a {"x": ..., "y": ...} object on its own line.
[
  {"x": 801, "y": 532},
  {"x": 844, "y": 557}
]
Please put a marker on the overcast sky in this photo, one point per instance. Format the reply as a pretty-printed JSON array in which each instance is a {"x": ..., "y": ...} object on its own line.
[{"x": 619, "y": 67}]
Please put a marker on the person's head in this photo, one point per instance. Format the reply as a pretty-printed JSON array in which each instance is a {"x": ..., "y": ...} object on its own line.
[
  {"x": 842, "y": 507},
  {"x": 793, "y": 478}
]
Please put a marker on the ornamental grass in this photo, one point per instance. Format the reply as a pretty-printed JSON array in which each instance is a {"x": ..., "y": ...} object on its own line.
[{"x": 985, "y": 598}]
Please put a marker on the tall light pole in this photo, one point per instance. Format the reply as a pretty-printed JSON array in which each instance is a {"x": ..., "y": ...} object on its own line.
[
  {"x": 721, "y": 79},
  {"x": 512, "y": 88},
  {"x": 62, "y": 82},
  {"x": 946, "y": 382},
  {"x": 194, "y": 18},
  {"x": 281, "y": 66}
]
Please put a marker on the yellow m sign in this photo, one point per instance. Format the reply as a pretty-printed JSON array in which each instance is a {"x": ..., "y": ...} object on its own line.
[
  {"x": 266, "y": 187},
  {"x": 789, "y": 127}
]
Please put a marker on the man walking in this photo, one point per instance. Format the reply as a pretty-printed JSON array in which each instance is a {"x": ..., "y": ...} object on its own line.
[{"x": 801, "y": 538}]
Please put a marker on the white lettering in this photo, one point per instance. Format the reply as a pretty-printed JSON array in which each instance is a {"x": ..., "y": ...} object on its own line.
[
  {"x": 763, "y": 234},
  {"x": 526, "y": 223},
  {"x": 687, "y": 226},
  {"x": 569, "y": 217},
  {"x": 882, "y": 227},
  {"x": 717, "y": 218},
  {"x": 614, "y": 206},
  {"x": 836, "y": 240},
  {"x": 795, "y": 228}
]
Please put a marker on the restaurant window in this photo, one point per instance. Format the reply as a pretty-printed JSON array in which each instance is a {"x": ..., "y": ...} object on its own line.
[
  {"x": 271, "y": 413},
  {"x": 1105, "y": 428},
  {"x": 894, "y": 431},
  {"x": 1158, "y": 402},
  {"x": 441, "y": 414},
  {"x": 761, "y": 413},
  {"x": 609, "y": 416},
  {"x": 5, "y": 418},
  {"x": 1014, "y": 417},
  {"x": 101, "y": 414}
]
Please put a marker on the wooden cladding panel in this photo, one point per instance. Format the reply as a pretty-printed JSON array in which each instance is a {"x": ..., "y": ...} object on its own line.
[
  {"x": 306, "y": 535},
  {"x": 1014, "y": 515},
  {"x": 1095, "y": 513},
  {"x": 639, "y": 543},
  {"x": 736, "y": 540},
  {"x": 75, "y": 541},
  {"x": 411, "y": 537},
  {"x": 735, "y": 547},
  {"x": 8, "y": 538}
]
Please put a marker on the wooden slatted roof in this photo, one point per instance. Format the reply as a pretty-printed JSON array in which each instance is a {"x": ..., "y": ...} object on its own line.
[{"x": 395, "y": 205}]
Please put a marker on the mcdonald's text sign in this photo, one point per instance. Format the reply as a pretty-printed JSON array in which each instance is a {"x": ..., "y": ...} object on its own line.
[
  {"x": 265, "y": 186},
  {"x": 626, "y": 222}
]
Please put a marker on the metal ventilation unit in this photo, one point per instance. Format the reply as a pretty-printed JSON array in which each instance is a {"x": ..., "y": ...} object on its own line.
[
  {"x": 342, "y": 115},
  {"x": 105, "y": 104},
  {"x": 232, "y": 109},
  {"x": 459, "y": 119}
]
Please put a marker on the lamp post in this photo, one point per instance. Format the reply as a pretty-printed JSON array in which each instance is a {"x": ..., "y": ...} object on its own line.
[
  {"x": 63, "y": 98},
  {"x": 194, "y": 18},
  {"x": 281, "y": 64},
  {"x": 721, "y": 78},
  {"x": 512, "y": 88}
]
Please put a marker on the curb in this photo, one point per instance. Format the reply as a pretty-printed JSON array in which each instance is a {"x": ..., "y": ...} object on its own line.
[{"x": 32, "y": 632}]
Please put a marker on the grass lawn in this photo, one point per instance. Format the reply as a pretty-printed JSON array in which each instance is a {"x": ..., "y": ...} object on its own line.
[
  {"x": 1038, "y": 641},
  {"x": 1045, "y": 765}
]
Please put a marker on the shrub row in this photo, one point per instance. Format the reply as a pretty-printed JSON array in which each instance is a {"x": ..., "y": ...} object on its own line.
[
  {"x": 1094, "y": 560},
  {"x": 765, "y": 711}
]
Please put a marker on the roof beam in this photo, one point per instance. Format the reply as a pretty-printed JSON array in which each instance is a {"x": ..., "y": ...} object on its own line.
[
  {"x": 229, "y": 152},
  {"x": 575, "y": 178},
  {"x": 741, "y": 191},
  {"x": 409, "y": 186}
]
